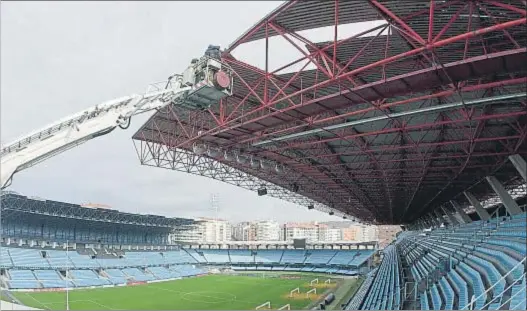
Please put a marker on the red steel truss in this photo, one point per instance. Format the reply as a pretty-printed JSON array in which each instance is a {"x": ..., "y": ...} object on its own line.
[{"x": 391, "y": 122}]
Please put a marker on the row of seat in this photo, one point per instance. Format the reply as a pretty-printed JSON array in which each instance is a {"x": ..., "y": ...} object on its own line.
[
  {"x": 35, "y": 258},
  {"x": 480, "y": 265},
  {"x": 357, "y": 299},
  {"x": 31, "y": 279},
  {"x": 14, "y": 257},
  {"x": 312, "y": 269},
  {"x": 314, "y": 257},
  {"x": 385, "y": 292}
]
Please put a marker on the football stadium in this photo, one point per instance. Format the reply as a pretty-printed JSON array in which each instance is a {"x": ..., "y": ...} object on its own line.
[{"x": 406, "y": 113}]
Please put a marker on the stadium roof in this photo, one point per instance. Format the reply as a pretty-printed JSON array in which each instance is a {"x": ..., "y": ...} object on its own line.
[
  {"x": 13, "y": 203},
  {"x": 392, "y": 122}
]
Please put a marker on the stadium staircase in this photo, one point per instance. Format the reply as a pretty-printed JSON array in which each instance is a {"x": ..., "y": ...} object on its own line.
[{"x": 479, "y": 265}]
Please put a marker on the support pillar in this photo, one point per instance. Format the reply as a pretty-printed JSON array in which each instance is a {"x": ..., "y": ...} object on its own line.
[
  {"x": 440, "y": 217},
  {"x": 432, "y": 221},
  {"x": 482, "y": 212},
  {"x": 451, "y": 218},
  {"x": 422, "y": 223},
  {"x": 464, "y": 217},
  {"x": 509, "y": 203},
  {"x": 519, "y": 164}
]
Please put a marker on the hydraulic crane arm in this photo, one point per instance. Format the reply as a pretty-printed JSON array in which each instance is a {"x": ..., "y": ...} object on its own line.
[
  {"x": 203, "y": 83},
  {"x": 79, "y": 128}
]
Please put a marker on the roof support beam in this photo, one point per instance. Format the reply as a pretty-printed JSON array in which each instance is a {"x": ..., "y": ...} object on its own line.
[
  {"x": 230, "y": 125},
  {"x": 453, "y": 221},
  {"x": 482, "y": 212},
  {"x": 464, "y": 217},
  {"x": 510, "y": 205},
  {"x": 440, "y": 217},
  {"x": 519, "y": 164}
]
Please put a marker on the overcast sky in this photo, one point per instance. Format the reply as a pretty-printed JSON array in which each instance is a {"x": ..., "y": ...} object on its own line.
[{"x": 58, "y": 58}]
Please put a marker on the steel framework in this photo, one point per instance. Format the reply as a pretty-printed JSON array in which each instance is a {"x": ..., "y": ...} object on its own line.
[
  {"x": 393, "y": 121},
  {"x": 15, "y": 204}
]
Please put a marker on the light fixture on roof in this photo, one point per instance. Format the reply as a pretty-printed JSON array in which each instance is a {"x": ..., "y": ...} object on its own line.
[
  {"x": 199, "y": 149},
  {"x": 213, "y": 152},
  {"x": 228, "y": 157},
  {"x": 264, "y": 165},
  {"x": 254, "y": 163},
  {"x": 295, "y": 187},
  {"x": 241, "y": 159},
  {"x": 262, "y": 191}
]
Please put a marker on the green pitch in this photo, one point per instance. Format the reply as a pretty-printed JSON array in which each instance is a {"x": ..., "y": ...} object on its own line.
[{"x": 213, "y": 292}]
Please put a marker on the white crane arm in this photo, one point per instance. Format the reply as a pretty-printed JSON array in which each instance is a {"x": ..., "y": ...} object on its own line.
[
  {"x": 202, "y": 84},
  {"x": 79, "y": 128}
]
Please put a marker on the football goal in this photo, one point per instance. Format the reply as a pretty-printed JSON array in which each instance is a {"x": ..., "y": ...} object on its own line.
[
  {"x": 315, "y": 281},
  {"x": 328, "y": 281},
  {"x": 314, "y": 291},
  {"x": 286, "y": 307},
  {"x": 265, "y": 305},
  {"x": 296, "y": 290}
]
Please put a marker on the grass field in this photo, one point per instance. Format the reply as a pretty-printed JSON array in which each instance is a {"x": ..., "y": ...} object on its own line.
[{"x": 213, "y": 292}]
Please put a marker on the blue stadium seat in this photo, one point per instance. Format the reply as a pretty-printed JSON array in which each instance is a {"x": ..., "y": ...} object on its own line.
[
  {"x": 22, "y": 279},
  {"x": 241, "y": 256},
  {"x": 138, "y": 275},
  {"x": 320, "y": 257},
  {"x": 30, "y": 258},
  {"x": 85, "y": 278},
  {"x": 116, "y": 276},
  {"x": 293, "y": 256},
  {"x": 216, "y": 255},
  {"x": 268, "y": 256}
]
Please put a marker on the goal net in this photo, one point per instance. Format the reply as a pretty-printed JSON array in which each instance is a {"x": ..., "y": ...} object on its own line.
[
  {"x": 315, "y": 281},
  {"x": 286, "y": 307},
  {"x": 311, "y": 291},
  {"x": 296, "y": 290},
  {"x": 328, "y": 281},
  {"x": 266, "y": 305}
]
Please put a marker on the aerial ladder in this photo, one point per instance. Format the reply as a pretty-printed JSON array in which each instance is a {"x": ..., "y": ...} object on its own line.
[{"x": 205, "y": 81}]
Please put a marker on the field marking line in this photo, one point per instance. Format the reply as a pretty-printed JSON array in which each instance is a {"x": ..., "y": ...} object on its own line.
[
  {"x": 184, "y": 293},
  {"x": 104, "y": 306},
  {"x": 233, "y": 297},
  {"x": 38, "y": 301}
]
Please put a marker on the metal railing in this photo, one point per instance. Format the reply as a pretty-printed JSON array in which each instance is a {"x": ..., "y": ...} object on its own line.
[{"x": 474, "y": 299}]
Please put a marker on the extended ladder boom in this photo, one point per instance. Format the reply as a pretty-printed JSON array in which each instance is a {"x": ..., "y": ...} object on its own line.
[
  {"x": 79, "y": 128},
  {"x": 203, "y": 83}
]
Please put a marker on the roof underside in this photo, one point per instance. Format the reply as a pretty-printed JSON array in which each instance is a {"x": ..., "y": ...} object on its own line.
[{"x": 388, "y": 126}]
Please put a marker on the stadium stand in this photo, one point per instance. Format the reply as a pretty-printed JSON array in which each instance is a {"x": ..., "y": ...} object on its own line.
[
  {"x": 61, "y": 222},
  {"x": 479, "y": 265},
  {"x": 30, "y": 258},
  {"x": 50, "y": 279},
  {"x": 241, "y": 256},
  {"x": 293, "y": 256},
  {"x": 88, "y": 269},
  {"x": 268, "y": 256},
  {"x": 82, "y": 278},
  {"x": 138, "y": 275},
  {"x": 22, "y": 279},
  {"x": 385, "y": 290},
  {"x": 216, "y": 256},
  {"x": 357, "y": 299},
  {"x": 162, "y": 273},
  {"x": 116, "y": 276}
]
